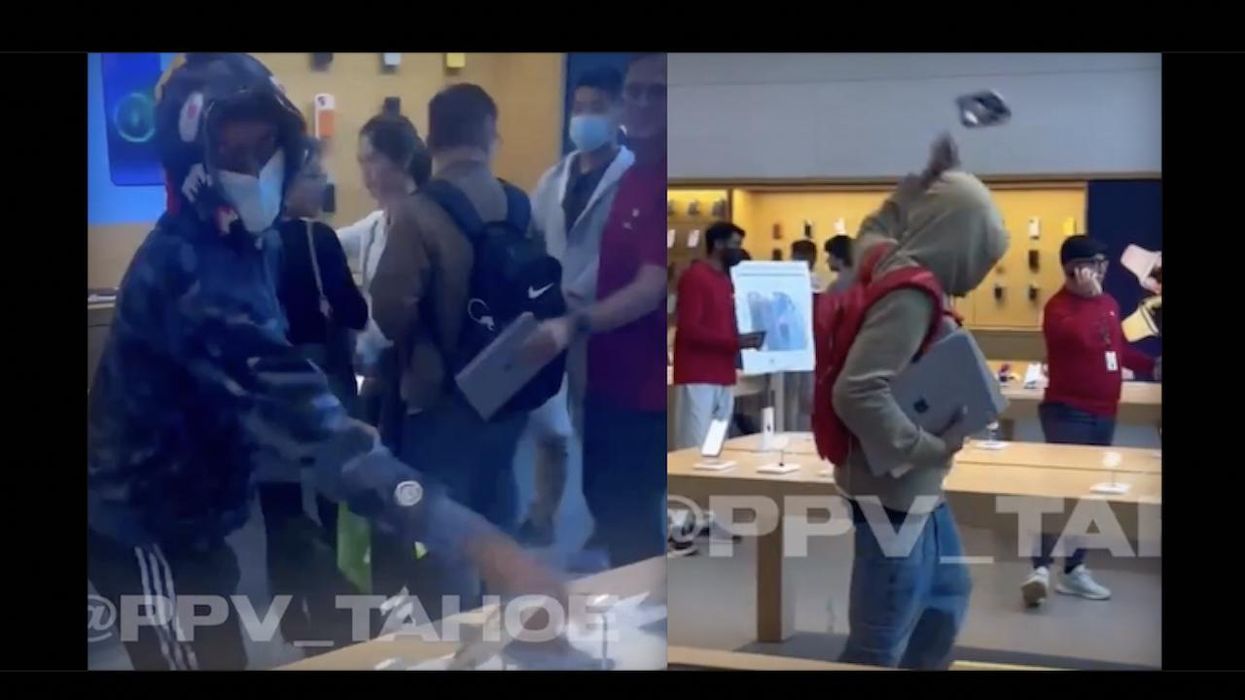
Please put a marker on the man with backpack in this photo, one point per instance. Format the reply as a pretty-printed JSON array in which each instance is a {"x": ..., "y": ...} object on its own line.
[
  {"x": 443, "y": 290},
  {"x": 936, "y": 237}
]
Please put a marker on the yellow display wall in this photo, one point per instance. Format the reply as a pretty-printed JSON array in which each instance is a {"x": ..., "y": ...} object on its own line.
[
  {"x": 1057, "y": 207},
  {"x": 1058, "y": 211},
  {"x": 527, "y": 88},
  {"x": 688, "y": 241},
  {"x": 688, "y": 214}
]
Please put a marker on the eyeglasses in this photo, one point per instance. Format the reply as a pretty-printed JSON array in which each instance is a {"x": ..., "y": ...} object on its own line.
[{"x": 1098, "y": 263}]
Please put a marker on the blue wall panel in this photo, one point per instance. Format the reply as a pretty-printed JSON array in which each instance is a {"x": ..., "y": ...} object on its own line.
[
  {"x": 106, "y": 202},
  {"x": 1123, "y": 212}
]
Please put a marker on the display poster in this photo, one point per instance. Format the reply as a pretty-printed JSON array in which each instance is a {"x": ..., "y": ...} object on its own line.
[{"x": 775, "y": 298}]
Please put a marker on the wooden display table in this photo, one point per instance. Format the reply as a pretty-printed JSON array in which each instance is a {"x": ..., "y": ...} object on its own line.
[
  {"x": 1085, "y": 457},
  {"x": 1141, "y": 403},
  {"x": 645, "y": 576},
  {"x": 1021, "y": 454},
  {"x": 972, "y": 488}
]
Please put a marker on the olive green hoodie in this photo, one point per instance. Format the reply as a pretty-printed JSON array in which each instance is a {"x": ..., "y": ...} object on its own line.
[{"x": 954, "y": 230}]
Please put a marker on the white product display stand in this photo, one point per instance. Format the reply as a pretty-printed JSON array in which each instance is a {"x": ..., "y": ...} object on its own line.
[
  {"x": 778, "y": 468},
  {"x": 1111, "y": 460},
  {"x": 777, "y": 395},
  {"x": 771, "y": 441},
  {"x": 714, "y": 465},
  {"x": 1034, "y": 377},
  {"x": 711, "y": 448}
]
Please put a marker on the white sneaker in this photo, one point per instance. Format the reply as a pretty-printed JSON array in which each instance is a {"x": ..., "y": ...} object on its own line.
[
  {"x": 1079, "y": 582},
  {"x": 1035, "y": 588}
]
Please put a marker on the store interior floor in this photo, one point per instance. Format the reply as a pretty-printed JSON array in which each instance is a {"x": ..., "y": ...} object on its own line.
[
  {"x": 711, "y": 603},
  {"x": 573, "y": 527}
]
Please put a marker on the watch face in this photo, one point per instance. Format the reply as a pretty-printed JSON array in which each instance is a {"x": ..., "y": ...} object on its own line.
[{"x": 408, "y": 493}]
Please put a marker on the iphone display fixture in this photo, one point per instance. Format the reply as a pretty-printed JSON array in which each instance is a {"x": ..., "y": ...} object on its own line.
[{"x": 129, "y": 81}]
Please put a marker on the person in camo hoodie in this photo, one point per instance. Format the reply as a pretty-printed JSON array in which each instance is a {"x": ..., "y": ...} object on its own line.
[
  {"x": 906, "y": 606},
  {"x": 198, "y": 385}
]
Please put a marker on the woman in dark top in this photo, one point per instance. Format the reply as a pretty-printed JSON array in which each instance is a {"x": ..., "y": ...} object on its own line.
[{"x": 322, "y": 304}]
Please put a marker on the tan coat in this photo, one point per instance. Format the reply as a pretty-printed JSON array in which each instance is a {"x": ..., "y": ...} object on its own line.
[{"x": 419, "y": 293}]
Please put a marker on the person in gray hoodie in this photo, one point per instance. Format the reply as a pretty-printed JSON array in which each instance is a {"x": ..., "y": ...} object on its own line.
[
  {"x": 908, "y": 591},
  {"x": 569, "y": 208}
]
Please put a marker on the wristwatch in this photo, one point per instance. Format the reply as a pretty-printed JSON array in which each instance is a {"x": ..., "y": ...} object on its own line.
[
  {"x": 581, "y": 322},
  {"x": 408, "y": 493}
]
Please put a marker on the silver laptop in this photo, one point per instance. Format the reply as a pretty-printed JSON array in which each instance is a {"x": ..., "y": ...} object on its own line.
[
  {"x": 951, "y": 375},
  {"x": 496, "y": 373}
]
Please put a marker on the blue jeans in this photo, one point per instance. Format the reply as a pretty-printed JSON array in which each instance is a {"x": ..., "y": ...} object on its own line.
[
  {"x": 474, "y": 461},
  {"x": 906, "y": 610},
  {"x": 1064, "y": 425},
  {"x": 625, "y": 479}
]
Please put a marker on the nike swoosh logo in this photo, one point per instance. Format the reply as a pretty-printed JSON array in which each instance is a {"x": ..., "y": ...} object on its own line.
[{"x": 533, "y": 292}]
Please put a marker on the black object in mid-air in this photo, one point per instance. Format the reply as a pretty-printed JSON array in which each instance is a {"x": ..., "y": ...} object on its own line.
[{"x": 983, "y": 109}]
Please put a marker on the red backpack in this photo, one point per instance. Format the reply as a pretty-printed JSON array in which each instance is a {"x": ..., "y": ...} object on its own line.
[{"x": 837, "y": 319}]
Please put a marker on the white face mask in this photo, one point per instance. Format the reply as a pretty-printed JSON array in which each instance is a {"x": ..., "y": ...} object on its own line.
[{"x": 257, "y": 199}]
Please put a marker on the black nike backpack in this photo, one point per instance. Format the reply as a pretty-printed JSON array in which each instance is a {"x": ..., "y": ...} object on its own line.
[{"x": 512, "y": 274}]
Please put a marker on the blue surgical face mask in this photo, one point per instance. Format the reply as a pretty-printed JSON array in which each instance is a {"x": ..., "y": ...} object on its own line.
[
  {"x": 591, "y": 131},
  {"x": 256, "y": 199}
]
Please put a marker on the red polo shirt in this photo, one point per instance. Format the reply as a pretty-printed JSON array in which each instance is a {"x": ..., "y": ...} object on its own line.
[
  {"x": 1079, "y": 333},
  {"x": 627, "y": 366},
  {"x": 705, "y": 342}
]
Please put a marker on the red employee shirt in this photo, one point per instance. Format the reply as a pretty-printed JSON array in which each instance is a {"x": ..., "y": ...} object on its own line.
[
  {"x": 627, "y": 366},
  {"x": 1079, "y": 333},
  {"x": 706, "y": 341}
]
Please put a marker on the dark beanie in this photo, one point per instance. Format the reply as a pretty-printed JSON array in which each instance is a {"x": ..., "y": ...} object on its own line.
[{"x": 1080, "y": 248}]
